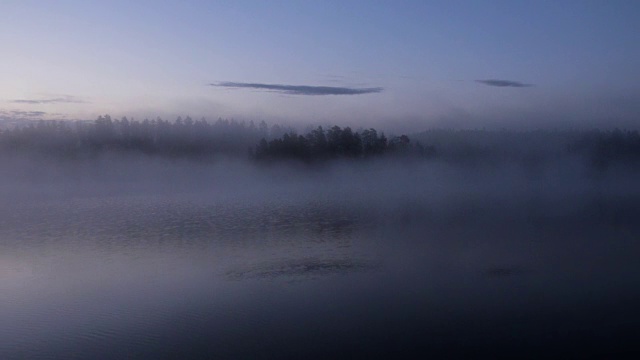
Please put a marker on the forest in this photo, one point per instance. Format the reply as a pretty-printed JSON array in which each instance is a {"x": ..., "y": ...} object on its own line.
[
  {"x": 204, "y": 140},
  {"x": 337, "y": 142},
  {"x": 181, "y": 138}
]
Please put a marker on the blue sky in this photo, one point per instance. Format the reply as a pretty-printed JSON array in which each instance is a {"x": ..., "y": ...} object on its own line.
[{"x": 78, "y": 59}]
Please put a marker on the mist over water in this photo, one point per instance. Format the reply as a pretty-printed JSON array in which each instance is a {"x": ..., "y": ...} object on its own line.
[
  {"x": 319, "y": 180},
  {"x": 144, "y": 257}
]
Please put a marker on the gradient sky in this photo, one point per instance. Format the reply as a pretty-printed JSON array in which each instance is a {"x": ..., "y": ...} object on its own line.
[{"x": 461, "y": 64}]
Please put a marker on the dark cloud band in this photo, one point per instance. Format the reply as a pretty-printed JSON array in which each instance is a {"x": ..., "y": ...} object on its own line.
[
  {"x": 301, "y": 89},
  {"x": 503, "y": 83}
]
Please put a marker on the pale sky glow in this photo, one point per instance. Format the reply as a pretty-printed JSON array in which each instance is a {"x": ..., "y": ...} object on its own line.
[{"x": 157, "y": 58}]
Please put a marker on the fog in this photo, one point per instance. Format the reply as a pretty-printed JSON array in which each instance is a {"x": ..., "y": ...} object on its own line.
[
  {"x": 482, "y": 249},
  {"x": 490, "y": 169},
  {"x": 434, "y": 192}
]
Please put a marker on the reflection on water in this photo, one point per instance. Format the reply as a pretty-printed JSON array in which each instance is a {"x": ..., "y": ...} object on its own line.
[
  {"x": 191, "y": 277},
  {"x": 496, "y": 272},
  {"x": 305, "y": 268}
]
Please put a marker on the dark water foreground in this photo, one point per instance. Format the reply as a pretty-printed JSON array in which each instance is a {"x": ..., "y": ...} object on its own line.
[{"x": 198, "y": 275}]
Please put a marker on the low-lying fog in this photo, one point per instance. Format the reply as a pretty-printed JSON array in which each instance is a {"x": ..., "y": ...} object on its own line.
[
  {"x": 133, "y": 255},
  {"x": 387, "y": 181}
]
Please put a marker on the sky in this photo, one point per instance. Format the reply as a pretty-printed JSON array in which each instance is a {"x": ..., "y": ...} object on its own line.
[{"x": 405, "y": 65}]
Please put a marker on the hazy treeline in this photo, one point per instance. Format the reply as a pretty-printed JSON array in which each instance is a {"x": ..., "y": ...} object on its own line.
[
  {"x": 181, "y": 138},
  {"x": 599, "y": 148},
  {"x": 201, "y": 139},
  {"x": 498, "y": 146},
  {"x": 607, "y": 148}
]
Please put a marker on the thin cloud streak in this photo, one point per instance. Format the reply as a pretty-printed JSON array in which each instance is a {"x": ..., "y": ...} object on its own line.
[
  {"x": 301, "y": 89},
  {"x": 28, "y": 113},
  {"x": 503, "y": 83},
  {"x": 63, "y": 100}
]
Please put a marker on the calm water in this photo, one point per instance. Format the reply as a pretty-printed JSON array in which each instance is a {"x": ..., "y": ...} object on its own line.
[{"x": 189, "y": 275}]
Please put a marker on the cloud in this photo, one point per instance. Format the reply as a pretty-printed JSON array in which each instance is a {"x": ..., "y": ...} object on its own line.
[
  {"x": 8, "y": 117},
  {"x": 301, "y": 89},
  {"x": 503, "y": 83},
  {"x": 58, "y": 100},
  {"x": 23, "y": 101},
  {"x": 28, "y": 113}
]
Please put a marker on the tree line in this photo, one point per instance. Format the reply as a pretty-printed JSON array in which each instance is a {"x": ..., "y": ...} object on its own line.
[
  {"x": 200, "y": 139},
  {"x": 605, "y": 148},
  {"x": 181, "y": 138},
  {"x": 597, "y": 148},
  {"x": 338, "y": 143}
]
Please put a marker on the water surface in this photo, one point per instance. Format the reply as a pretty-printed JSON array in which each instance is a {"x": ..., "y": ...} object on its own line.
[{"x": 198, "y": 273}]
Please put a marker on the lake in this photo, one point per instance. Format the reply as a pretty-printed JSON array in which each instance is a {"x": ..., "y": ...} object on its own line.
[{"x": 350, "y": 264}]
